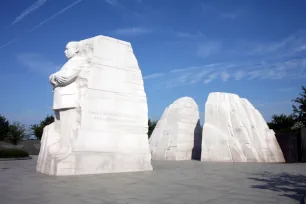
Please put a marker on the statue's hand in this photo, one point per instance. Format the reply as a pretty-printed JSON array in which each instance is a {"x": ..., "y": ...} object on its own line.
[
  {"x": 52, "y": 80},
  {"x": 60, "y": 79}
]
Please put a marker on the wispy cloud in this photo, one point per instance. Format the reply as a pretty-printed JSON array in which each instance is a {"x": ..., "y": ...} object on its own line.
[
  {"x": 189, "y": 34},
  {"x": 29, "y": 10},
  {"x": 155, "y": 75},
  {"x": 214, "y": 10},
  {"x": 201, "y": 74},
  {"x": 208, "y": 48},
  {"x": 286, "y": 46},
  {"x": 132, "y": 31},
  {"x": 8, "y": 43},
  {"x": 291, "y": 70},
  {"x": 239, "y": 75},
  {"x": 37, "y": 63},
  {"x": 224, "y": 76},
  {"x": 286, "y": 89},
  {"x": 183, "y": 69},
  {"x": 280, "y": 49},
  {"x": 44, "y": 21},
  {"x": 113, "y": 3},
  {"x": 55, "y": 15},
  {"x": 123, "y": 9},
  {"x": 230, "y": 15},
  {"x": 211, "y": 77}
]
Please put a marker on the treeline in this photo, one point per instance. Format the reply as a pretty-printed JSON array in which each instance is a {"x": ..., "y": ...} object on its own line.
[
  {"x": 11, "y": 133},
  {"x": 293, "y": 121}
]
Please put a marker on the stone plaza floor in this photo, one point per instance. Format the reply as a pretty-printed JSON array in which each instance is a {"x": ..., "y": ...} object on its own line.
[{"x": 176, "y": 182}]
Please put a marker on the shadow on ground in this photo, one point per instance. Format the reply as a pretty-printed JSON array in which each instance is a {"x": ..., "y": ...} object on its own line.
[{"x": 289, "y": 185}]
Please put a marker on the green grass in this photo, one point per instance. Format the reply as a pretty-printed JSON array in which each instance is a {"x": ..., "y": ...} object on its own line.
[{"x": 13, "y": 153}]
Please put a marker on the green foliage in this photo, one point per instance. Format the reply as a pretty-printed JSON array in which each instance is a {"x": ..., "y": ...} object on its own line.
[
  {"x": 16, "y": 133},
  {"x": 151, "y": 124},
  {"x": 281, "y": 122},
  {"x": 299, "y": 109},
  {"x": 39, "y": 128},
  {"x": 296, "y": 120},
  {"x": 4, "y": 127},
  {"x": 12, "y": 153}
]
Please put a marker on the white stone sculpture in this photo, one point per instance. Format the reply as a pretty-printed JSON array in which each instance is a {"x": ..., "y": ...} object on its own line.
[
  {"x": 101, "y": 113},
  {"x": 234, "y": 131},
  {"x": 177, "y": 132}
]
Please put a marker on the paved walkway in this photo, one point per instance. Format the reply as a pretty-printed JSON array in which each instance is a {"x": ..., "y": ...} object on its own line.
[{"x": 187, "y": 182}]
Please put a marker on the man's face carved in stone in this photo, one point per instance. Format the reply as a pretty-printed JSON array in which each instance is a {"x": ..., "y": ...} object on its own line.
[{"x": 71, "y": 49}]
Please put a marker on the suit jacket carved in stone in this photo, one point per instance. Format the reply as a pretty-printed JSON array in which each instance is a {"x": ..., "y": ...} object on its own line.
[{"x": 66, "y": 95}]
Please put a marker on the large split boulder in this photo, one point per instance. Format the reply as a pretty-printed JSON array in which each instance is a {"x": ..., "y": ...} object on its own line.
[
  {"x": 234, "y": 131},
  {"x": 177, "y": 135}
]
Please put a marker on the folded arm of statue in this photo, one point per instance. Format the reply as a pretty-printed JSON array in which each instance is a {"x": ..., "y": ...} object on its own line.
[
  {"x": 63, "y": 80},
  {"x": 52, "y": 78}
]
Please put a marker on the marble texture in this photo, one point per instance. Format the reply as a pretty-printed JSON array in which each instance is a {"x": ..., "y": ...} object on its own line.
[
  {"x": 176, "y": 132},
  {"x": 234, "y": 131},
  {"x": 101, "y": 112}
]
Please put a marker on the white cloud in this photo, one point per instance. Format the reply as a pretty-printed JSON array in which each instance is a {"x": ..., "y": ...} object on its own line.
[
  {"x": 214, "y": 10},
  {"x": 56, "y": 14},
  {"x": 189, "y": 35},
  {"x": 239, "y": 75},
  {"x": 225, "y": 76},
  {"x": 29, "y": 10},
  {"x": 200, "y": 75},
  {"x": 37, "y": 63},
  {"x": 113, "y": 3},
  {"x": 286, "y": 46},
  {"x": 301, "y": 48},
  {"x": 177, "y": 80},
  {"x": 230, "y": 15},
  {"x": 124, "y": 11},
  {"x": 155, "y": 75},
  {"x": 210, "y": 78},
  {"x": 291, "y": 70},
  {"x": 183, "y": 69},
  {"x": 286, "y": 89},
  {"x": 209, "y": 48},
  {"x": 8, "y": 43},
  {"x": 132, "y": 31}
]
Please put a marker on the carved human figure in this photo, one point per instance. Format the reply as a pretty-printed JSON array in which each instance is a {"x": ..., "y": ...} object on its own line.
[{"x": 66, "y": 99}]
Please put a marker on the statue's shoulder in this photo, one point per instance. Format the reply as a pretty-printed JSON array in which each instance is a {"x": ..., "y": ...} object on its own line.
[{"x": 75, "y": 61}]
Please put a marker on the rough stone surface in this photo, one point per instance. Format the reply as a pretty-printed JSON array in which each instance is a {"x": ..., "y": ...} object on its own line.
[
  {"x": 177, "y": 132},
  {"x": 171, "y": 182},
  {"x": 234, "y": 131},
  {"x": 101, "y": 112}
]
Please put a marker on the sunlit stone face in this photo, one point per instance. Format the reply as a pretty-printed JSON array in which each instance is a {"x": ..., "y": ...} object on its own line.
[{"x": 71, "y": 49}]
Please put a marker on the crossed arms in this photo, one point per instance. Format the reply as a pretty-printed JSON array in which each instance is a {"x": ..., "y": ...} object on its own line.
[{"x": 61, "y": 79}]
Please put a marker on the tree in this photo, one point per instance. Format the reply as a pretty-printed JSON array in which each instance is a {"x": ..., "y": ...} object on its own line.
[
  {"x": 281, "y": 122},
  {"x": 4, "y": 127},
  {"x": 16, "y": 133},
  {"x": 151, "y": 124},
  {"x": 39, "y": 128},
  {"x": 299, "y": 109}
]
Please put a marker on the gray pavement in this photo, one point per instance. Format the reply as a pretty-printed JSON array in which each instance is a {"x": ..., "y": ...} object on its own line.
[{"x": 170, "y": 182}]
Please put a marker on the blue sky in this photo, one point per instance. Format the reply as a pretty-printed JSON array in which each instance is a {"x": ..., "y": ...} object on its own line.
[{"x": 254, "y": 48}]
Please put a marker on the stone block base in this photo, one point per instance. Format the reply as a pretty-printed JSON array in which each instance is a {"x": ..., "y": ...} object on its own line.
[{"x": 81, "y": 163}]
